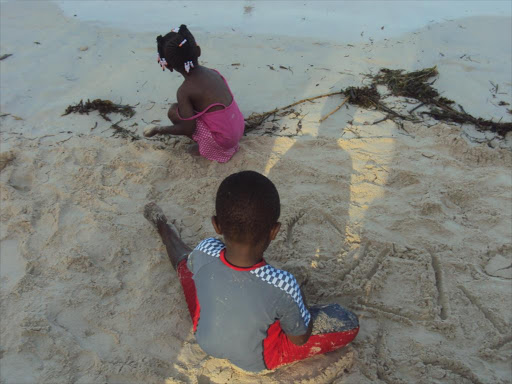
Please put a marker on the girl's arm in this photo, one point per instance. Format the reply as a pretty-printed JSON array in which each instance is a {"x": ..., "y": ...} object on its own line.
[
  {"x": 177, "y": 129},
  {"x": 180, "y": 127}
]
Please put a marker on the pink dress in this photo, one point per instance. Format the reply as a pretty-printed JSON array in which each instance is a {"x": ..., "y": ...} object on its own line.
[{"x": 218, "y": 133}]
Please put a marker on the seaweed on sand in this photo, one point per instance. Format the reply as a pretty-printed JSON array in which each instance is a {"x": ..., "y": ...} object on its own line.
[
  {"x": 365, "y": 97},
  {"x": 368, "y": 97},
  {"x": 416, "y": 85},
  {"x": 102, "y": 106},
  {"x": 123, "y": 132},
  {"x": 446, "y": 113}
]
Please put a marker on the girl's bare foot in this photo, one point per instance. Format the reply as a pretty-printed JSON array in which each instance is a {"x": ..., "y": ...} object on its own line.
[
  {"x": 154, "y": 214},
  {"x": 151, "y": 130}
]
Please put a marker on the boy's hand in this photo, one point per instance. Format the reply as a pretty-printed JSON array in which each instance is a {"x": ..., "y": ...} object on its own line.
[
  {"x": 302, "y": 339},
  {"x": 151, "y": 130}
]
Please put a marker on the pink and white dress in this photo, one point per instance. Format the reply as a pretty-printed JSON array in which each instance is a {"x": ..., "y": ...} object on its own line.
[{"x": 218, "y": 133}]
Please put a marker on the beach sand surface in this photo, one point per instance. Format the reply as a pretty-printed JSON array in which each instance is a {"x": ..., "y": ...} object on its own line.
[{"x": 409, "y": 228}]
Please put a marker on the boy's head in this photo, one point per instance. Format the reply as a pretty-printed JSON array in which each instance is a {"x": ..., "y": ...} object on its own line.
[
  {"x": 247, "y": 209},
  {"x": 178, "y": 50}
]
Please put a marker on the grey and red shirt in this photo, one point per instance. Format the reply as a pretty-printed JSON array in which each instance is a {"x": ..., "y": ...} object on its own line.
[{"x": 236, "y": 306}]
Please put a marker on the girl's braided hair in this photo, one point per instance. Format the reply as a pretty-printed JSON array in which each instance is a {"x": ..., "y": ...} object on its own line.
[{"x": 178, "y": 48}]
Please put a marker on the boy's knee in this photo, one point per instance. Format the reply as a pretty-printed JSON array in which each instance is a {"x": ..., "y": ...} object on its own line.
[
  {"x": 173, "y": 114},
  {"x": 348, "y": 317},
  {"x": 354, "y": 319}
]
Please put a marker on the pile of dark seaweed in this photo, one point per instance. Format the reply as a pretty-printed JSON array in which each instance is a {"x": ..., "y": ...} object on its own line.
[
  {"x": 102, "y": 106},
  {"x": 416, "y": 85}
]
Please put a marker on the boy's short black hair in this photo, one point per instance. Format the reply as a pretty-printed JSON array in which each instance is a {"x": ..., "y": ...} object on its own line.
[
  {"x": 247, "y": 206},
  {"x": 178, "y": 47}
]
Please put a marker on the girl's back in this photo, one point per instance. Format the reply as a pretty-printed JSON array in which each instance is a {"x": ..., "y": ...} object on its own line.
[
  {"x": 206, "y": 87},
  {"x": 222, "y": 121}
]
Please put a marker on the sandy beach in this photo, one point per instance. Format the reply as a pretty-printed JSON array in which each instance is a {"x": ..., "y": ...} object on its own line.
[{"x": 409, "y": 228}]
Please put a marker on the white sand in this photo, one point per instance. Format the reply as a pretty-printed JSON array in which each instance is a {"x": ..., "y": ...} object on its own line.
[{"x": 411, "y": 230}]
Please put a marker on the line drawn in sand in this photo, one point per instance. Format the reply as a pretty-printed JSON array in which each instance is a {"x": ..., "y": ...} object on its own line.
[
  {"x": 442, "y": 300},
  {"x": 382, "y": 293},
  {"x": 377, "y": 263},
  {"x": 291, "y": 225},
  {"x": 453, "y": 366},
  {"x": 386, "y": 312},
  {"x": 489, "y": 315},
  {"x": 501, "y": 343},
  {"x": 361, "y": 253},
  {"x": 383, "y": 364},
  {"x": 331, "y": 220}
]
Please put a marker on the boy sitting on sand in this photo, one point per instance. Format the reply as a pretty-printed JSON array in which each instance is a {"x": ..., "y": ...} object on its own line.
[{"x": 242, "y": 308}]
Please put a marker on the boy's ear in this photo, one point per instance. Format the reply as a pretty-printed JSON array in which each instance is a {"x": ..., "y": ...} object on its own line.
[
  {"x": 198, "y": 51},
  {"x": 216, "y": 225},
  {"x": 275, "y": 230}
]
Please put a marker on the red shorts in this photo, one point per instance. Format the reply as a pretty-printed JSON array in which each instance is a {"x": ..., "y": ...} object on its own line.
[
  {"x": 278, "y": 350},
  {"x": 189, "y": 288}
]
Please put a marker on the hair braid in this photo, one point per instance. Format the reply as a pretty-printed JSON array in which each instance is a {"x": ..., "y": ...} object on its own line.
[{"x": 178, "y": 48}]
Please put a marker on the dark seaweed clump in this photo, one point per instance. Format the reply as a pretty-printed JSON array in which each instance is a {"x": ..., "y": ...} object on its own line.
[{"x": 104, "y": 107}]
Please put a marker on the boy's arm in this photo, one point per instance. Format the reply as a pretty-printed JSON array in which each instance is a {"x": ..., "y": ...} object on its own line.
[
  {"x": 302, "y": 339},
  {"x": 294, "y": 316}
]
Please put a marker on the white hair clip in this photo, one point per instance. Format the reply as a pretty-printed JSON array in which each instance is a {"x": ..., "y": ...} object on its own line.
[
  {"x": 188, "y": 65},
  {"x": 162, "y": 62},
  {"x": 175, "y": 30},
  {"x": 183, "y": 42}
]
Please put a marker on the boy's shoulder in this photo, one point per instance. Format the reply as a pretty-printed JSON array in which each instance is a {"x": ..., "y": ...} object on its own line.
[
  {"x": 211, "y": 246},
  {"x": 281, "y": 280},
  {"x": 210, "y": 249},
  {"x": 206, "y": 252}
]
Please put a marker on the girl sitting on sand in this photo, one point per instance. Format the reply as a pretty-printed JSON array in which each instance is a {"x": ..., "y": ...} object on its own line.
[{"x": 219, "y": 125}]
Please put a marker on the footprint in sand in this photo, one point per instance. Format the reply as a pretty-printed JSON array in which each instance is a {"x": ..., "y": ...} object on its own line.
[
  {"x": 499, "y": 266},
  {"x": 192, "y": 223},
  {"x": 21, "y": 179}
]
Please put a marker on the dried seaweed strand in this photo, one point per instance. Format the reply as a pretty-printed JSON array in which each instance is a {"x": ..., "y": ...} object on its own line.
[
  {"x": 335, "y": 109},
  {"x": 256, "y": 119}
]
